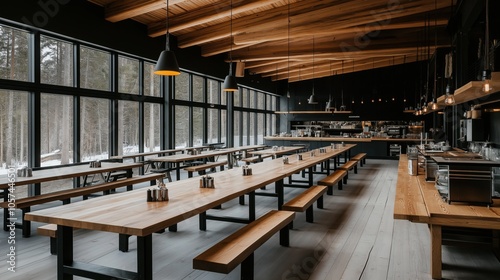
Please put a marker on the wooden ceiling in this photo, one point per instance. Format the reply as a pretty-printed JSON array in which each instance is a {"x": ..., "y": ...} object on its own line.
[{"x": 297, "y": 39}]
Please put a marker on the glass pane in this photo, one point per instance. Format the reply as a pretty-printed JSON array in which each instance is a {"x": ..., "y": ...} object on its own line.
[
  {"x": 213, "y": 126},
  {"x": 14, "y": 123},
  {"x": 213, "y": 92},
  {"x": 274, "y": 102},
  {"x": 182, "y": 86},
  {"x": 252, "y": 132},
  {"x": 14, "y": 54},
  {"x": 56, "y": 130},
  {"x": 197, "y": 126},
  {"x": 269, "y": 99},
  {"x": 237, "y": 126},
  {"x": 151, "y": 81},
  {"x": 245, "y": 98},
  {"x": 273, "y": 124},
  {"x": 128, "y": 75},
  {"x": 260, "y": 128},
  {"x": 261, "y": 98},
  {"x": 56, "y": 65},
  {"x": 94, "y": 129},
  {"x": 181, "y": 126},
  {"x": 237, "y": 98},
  {"x": 95, "y": 69},
  {"x": 152, "y": 127},
  {"x": 198, "y": 85},
  {"x": 223, "y": 97},
  {"x": 223, "y": 126},
  {"x": 128, "y": 127},
  {"x": 244, "y": 126},
  {"x": 252, "y": 99}
]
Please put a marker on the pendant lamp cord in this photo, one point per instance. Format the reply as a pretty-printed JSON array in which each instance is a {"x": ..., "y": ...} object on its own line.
[
  {"x": 167, "y": 41},
  {"x": 487, "y": 39},
  {"x": 231, "y": 39}
]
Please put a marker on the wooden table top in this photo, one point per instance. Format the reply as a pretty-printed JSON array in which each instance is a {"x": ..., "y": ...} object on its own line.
[
  {"x": 281, "y": 150},
  {"x": 424, "y": 194},
  {"x": 135, "y": 155},
  {"x": 186, "y": 157},
  {"x": 58, "y": 173},
  {"x": 130, "y": 213}
]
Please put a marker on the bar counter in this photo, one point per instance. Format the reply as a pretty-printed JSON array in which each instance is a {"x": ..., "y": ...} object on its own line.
[{"x": 375, "y": 147}]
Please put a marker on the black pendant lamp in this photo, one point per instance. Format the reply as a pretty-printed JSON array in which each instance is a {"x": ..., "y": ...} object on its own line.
[
  {"x": 230, "y": 83},
  {"x": 312, "y": 99},
  {"x": 167, "y": 63}
]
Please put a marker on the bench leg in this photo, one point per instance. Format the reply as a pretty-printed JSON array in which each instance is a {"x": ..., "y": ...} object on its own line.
[
  {"x": 172, "y": 228},
  {"x": 190, "y": 174},
  {"x": 247, "y": 268},
  {"x": 309, "y": 214},
  {"x": 329, "y": 191},
  {"x": 285, "y": 236},
  {"x": 203, "y": 221},
  {"x": 53, "y": 246},
  {"x": 320, "y": 202},
  {"x": 242, "y": 200},
  {"x": 123, "y": 242},
  {"x": 344, "y": 180},
  {"x": 356, "y": 169},
  {"x": 340, "y": 184},
  {"x": 26, "y": 225}
]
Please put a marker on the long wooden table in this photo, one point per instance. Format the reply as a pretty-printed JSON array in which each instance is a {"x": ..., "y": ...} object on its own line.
[
  {"x": 277, "y": 152},
  {"x": 135, "y": 156},
  {"x": 418, "y": 201},
  {"x": 129, "y": 214}
]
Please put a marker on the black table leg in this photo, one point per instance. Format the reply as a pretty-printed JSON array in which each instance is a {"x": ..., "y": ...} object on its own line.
[
  {"x": 64, "y": 251},
  {"x": 251, "y": 206},
  {"x": 145, "y": 257},
  {"x": 178, "y": 171},
  {"x": 281, "y": 193}
]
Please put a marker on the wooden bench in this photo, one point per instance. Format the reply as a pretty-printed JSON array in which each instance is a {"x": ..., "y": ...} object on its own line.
[
  {"x": 339, "y": 177},
  {"x": 361, "y": 158},
  {"x": 255, "y": 159},
  {"x": 239, "y": 247},
  {"x": 350, "y": 165},
  {"x": 305, "y": 200},
  {"x": 201, "y": 169},
  {"x": 65, "y": 196}
]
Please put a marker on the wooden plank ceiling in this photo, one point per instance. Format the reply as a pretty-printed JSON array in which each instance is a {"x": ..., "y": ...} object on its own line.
[{"x": 297, "y": 39}]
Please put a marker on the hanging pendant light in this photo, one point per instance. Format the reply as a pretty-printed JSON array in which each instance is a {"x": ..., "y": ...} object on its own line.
[
  {"x": 328, "y": 106},
  {"x": 230, "y": 83},
  {"x": 487, "y": 72},
  {"x": 312, "y": 99},
  {"x": 449, "y": 98},
  {"x": 167, "y": 63}
]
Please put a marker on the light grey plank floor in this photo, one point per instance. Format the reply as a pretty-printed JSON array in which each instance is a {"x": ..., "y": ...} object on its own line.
[{"x": 354, "y": 237}]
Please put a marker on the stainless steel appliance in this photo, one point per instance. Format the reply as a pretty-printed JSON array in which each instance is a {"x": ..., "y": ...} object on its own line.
[
  {"x": 430, "y": 169},
  {"x": 470, "y": 184}
]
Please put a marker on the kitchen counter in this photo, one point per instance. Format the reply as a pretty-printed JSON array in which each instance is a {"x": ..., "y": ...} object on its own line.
[
  {"x": 375, "y": 147},
  {"x": 343, "y": 139}
]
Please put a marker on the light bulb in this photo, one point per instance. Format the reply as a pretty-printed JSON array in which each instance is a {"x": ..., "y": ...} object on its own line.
[
  {"x": 434, "y": 106},
  {"x": 486, "y": 86}
]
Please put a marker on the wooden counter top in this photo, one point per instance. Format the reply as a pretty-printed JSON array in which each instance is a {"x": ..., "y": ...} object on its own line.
[{"x": 341, "y": 139}]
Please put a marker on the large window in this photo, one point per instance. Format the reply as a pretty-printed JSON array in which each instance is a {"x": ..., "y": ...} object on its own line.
[
  {"x": 128, "y": 127},
  {"x": 67, "y": 80},
  {"x": 13, "y": 129},
  {"x": 128, "y": 75},
  {"x": 181, "y": 126},
  {"x": 56, "y": 125},
  {"x": 95, "y": 69},
  {"x": 14, "y": 49},
  {"x": 94, "y": 124},
  {"x": 56, "y": 65},
  {"x": 151, "y": 81},
  {"x": 152, "y": 129}
]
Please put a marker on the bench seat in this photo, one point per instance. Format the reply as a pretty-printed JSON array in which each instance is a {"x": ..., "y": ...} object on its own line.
[
  {"x": 305, "y": 200},
  {"x": 337, "y": 177},
  {"x": 239, "y": 247},
  {"x": 361, "y": 158},
  {"x": 350, "y": 165},
  {"x": 26, "y": 203},
  {"x": 201, "y": 169},
  {"x": 255, "y": 159}
]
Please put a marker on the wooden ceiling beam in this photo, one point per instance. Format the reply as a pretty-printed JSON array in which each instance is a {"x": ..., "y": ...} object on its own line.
[
  {"x": 206, "y": 15},
  {"x": 125, "y": 9}
]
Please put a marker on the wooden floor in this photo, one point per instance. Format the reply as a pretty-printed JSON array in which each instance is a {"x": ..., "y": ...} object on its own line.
[{"x": 354, "y": 237}]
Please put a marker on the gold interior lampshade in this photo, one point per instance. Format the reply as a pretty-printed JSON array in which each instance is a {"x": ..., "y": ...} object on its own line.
[
  {"x": 230, "y": 83},
  {"x": 167, "y": 64}
]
